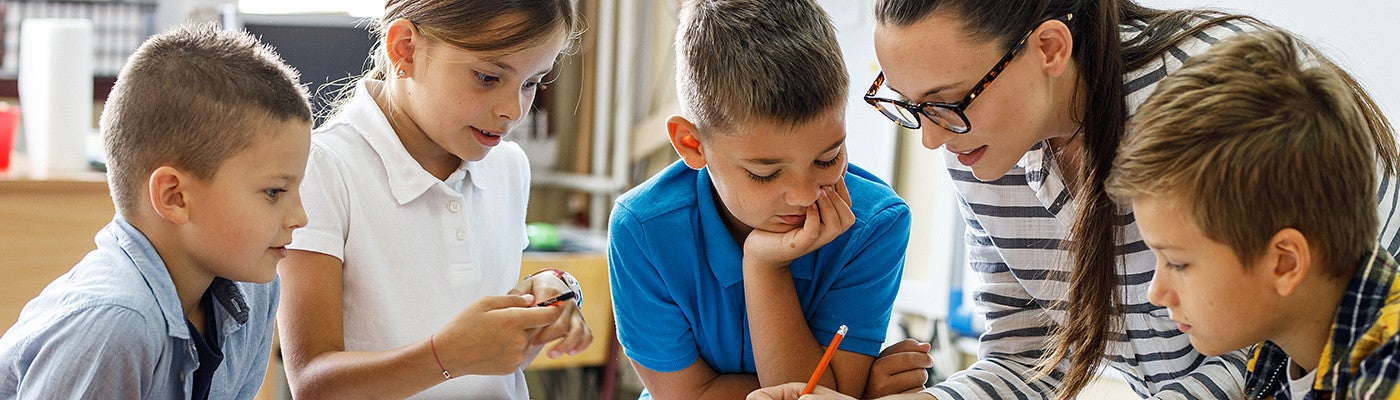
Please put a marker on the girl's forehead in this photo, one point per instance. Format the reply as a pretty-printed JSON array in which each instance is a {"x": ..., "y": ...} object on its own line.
[{"x": 545, "y": 44}]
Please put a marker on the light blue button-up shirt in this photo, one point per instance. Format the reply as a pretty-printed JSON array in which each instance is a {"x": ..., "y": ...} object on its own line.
[{"x": 112, "y": 328}]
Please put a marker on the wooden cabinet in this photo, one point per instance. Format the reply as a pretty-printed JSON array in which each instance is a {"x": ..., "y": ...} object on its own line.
[{"x": 46, "y": 226}]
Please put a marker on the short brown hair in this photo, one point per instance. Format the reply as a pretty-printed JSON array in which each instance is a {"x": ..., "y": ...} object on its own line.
[
  {"x": 192, "y": 97},
  {"x": 1262, "y": 133},
  {"x": 743, "y": 59}
]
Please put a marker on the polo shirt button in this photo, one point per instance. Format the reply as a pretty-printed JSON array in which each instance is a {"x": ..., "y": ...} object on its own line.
[
  {"x": 455, "y": 206},
  {"x": 461, "y": 234}
]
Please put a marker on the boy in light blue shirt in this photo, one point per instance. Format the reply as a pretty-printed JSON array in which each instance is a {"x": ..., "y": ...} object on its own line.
[
  {"x": 735, "y": 267},
  {"x": 207, "y": 133}
]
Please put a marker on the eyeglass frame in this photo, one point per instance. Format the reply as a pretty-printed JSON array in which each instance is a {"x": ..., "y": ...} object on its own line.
[{"x": 958, "y": 107}]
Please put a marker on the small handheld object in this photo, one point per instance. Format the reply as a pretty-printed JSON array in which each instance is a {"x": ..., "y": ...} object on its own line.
[
  {"x": 826, "y": 358},
  {"x": 568, "y": 280},
  {"x": 569, "y": 295}
]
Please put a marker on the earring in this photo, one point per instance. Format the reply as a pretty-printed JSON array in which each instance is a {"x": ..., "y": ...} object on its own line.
[{"x": 402, "y": 74}]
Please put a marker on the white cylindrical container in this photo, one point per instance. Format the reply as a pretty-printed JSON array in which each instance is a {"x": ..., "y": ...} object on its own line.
[{"x": 55, "y": 92}]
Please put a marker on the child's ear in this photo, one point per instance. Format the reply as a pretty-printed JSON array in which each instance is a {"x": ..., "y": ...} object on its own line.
[
  {"x": 686, "y": 139},
  {"x": 399, "y": 40},
  {"x": 167, "y": 188},
  {"x": 1055, "y": 46},
  {"x": 1288, "y": 260}
]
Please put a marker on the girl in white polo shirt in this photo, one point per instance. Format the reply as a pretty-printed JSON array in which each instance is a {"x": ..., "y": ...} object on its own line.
[{"x": 403, "y": 283}]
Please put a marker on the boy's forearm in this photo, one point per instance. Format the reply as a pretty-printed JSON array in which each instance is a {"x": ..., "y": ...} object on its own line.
[
  {"x": 727, "y": 386},
  {"x": 696, "y": 382},
  {"x": 784, "y": 348}
]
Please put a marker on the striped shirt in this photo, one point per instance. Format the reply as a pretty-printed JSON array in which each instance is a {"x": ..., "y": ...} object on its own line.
[
  {"x": 1362, "y": 361},
  {"x": 1015, "y": 228}
]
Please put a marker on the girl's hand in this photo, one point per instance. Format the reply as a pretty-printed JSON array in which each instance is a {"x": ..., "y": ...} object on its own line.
[
  {"x": 493, "y": 335},
  {"x": 570, "y": 325},
  {"x": 827, "y": 218},
  {"x": 542, "y": 286}
]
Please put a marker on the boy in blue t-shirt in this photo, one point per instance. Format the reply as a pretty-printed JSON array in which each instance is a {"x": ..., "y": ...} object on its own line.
[
  {"x": 735, "y": 267},
  {"x": 207, "y": 133}
]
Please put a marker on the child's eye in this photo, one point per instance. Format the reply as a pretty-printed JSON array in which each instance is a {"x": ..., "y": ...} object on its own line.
[
  {"x": 487, "y": 79},
  {"x": 763, "y": 178},
  {"x": 1175, "y": 266},
  {"x": 274, "y": 193},
  {"x": 535, "y": 85},
  {"x": 828, "y": 163}
]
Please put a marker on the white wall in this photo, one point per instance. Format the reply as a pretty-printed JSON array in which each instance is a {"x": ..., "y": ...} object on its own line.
[
  {"x": 1358, "y": 34},
  {"x": 870, "y": 137}
]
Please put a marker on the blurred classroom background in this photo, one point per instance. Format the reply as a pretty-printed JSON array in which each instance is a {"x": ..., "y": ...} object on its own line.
[{"x": 596, "y": 132}]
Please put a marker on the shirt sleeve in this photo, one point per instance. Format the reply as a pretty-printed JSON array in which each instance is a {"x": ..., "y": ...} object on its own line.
[
  {"x": 1389, "y": 196},
  {"x": 650, "y": 324},
  {"x": 1014, "y": 338},
  {"x": 1375, "y": 376},
  {"x": 524, "y": 167},
  {"x": 324, "y": 196},
  {"x": 1218, "y": 377},
  {"x": 863, "y": 297},
  {"x": 96, "y": 352}
]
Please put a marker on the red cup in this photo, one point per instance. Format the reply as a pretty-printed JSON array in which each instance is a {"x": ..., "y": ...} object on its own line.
[{"x": 9, "y": 122}]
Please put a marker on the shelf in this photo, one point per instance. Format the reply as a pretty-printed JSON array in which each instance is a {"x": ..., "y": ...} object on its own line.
[{"x": 101, "y": 87}]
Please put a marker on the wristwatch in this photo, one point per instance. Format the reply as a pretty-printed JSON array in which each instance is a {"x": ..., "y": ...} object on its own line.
[{"x": 568, "y": 281}]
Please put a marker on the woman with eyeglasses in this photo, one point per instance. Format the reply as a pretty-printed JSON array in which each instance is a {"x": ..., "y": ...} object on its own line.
[{"x": 1065, "y": 272}]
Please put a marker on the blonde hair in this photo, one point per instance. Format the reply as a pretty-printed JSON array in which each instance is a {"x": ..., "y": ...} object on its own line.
[
  {"x": 1262, "y": 133},
  {"x": 743, "y": 59},
  {"x": 191, "y": 98}
]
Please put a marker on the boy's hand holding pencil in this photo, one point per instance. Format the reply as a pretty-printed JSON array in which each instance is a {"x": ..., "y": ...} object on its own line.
[
  {"x": 810, "y": 390},
  {"x": 793, "y": 391}
]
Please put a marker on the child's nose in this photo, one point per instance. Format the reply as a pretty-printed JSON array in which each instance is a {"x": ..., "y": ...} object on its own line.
[
  {"x": 511, "y": 107},
  {"x": 1158, "y": 293},
  {"x": 804, "y": 191},
  {"x": 297, "y": 218}
]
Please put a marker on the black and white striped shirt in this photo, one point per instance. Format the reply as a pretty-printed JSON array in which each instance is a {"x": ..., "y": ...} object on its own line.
[{"x": 1016, "y": 225}]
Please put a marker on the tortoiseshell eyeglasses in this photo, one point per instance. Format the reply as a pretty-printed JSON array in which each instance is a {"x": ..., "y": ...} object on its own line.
[{"x": 950, "y": 116}]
